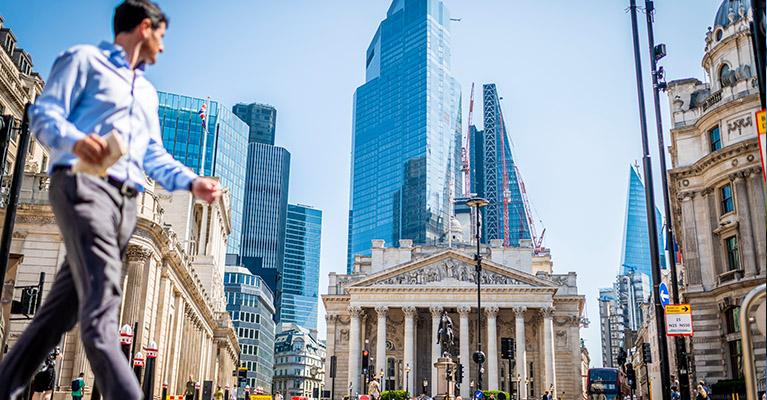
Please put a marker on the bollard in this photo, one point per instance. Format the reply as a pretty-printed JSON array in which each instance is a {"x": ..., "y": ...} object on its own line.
[
  {"x": 151, "y": 355},
  {"x": 164, "y": 391},
  {"x": 197, "y": 391},
  {"x": 138, "y": 365},
  {"x": 126, "y": 339},
  {"x": 226, "y": 392},
  {"x": 247, "y": 392}
]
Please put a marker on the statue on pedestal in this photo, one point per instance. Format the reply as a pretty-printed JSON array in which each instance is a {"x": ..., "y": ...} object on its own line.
[{"x": 445, "y": 335}]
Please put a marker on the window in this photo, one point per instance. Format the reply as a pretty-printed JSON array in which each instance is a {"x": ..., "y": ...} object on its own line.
[
  {"x": 736, "y": 359},
  {"x": 723, "y": 78},
  {"x": 715, "y": 139},
  {"x": 732, "y": 318},
  {"x": 733, "y": 262},
  {"x": 719, "y": 34},
  {"x": 727, "y": 204}
]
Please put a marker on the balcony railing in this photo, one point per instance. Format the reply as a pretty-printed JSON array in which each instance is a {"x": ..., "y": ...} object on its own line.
[{"x": 711, "y": 101}]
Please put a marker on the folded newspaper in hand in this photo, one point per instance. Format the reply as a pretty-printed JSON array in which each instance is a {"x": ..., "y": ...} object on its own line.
[{"x": 116, "y": 147}]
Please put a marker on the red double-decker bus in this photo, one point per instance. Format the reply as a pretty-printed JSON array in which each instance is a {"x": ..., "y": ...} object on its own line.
[{"x": 607, "y": 384}]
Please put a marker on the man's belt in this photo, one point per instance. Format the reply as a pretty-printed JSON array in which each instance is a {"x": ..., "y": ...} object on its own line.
[{"x": 125, "y": 188}]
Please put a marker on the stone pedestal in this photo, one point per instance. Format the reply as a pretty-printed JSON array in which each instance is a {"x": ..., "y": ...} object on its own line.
[{"x": 442, "y": 389}]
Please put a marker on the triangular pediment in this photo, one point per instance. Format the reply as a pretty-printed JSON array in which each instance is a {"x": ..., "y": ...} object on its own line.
[{"x": 450, "y": 268}]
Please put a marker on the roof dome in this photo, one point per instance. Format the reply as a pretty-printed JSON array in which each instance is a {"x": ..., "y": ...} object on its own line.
[
  {"x": 455, "y": 225},
  {"x": 722, "y": 15}
]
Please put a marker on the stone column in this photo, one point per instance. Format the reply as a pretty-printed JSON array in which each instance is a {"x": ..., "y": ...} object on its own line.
[
  {"x": 746, "y": 238},
  {"x": 436, "y": 313},
  {"x": 354, "y": 349},
  {"x": 548, "y": 349},
  {"x": 409, "y": 346},
  {"x": 381, "y": 341},
  {"x": 492, "y": 348},
  {"x": 463, "y": 313},
  {"x": 137, "y": 257},
  {"x": 521, "y": 356}
]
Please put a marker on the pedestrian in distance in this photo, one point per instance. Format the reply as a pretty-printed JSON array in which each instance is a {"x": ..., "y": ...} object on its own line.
[
  {"x": 545, "y": 396},
  {"x": 77, "y": 387},
  {"x": 277, "y": 396},
  {"x": 702, "y": 393},
  {"x": 45, "y": 378},
  {"x": 374, "y": 388},
  {"x": 91, "y": 92},
  {"x": 219, "y": 394},
  {"x": 189, "y": 391}
]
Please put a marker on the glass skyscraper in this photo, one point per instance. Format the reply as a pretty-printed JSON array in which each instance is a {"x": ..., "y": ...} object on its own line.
[
  {"x": 635, "y": 250},
  {"x": 261, "y": 119},
  {"x": 406, "y": 131},
  {"x": 301, "y": 273},
  {"x": 224, "y": 142},
  {"x": 250, "y": 304},
  {"x": 265, "y": 214}
]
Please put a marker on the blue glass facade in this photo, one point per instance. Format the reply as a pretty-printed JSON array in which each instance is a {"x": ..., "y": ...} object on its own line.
[
  {"x": 635, "y": 251},
  {"x": 406, "y": 130},
  {"x": 301, "y": 273},
  {"x": 265, "y": 214},
  {"x": 262, "y": 120},
  {"x": 224, "y": 147},
  {"x": 249, "y": 303}
]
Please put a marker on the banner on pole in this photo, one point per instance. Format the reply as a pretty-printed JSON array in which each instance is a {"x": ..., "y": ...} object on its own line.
[{"x": 678, "y": 320}]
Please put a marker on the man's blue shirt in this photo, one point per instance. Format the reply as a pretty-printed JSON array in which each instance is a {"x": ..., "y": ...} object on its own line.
[{"x": 93, "y": 90}]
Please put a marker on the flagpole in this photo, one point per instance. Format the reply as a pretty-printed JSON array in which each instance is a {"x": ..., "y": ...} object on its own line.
[{"x": 205, "y": 136}]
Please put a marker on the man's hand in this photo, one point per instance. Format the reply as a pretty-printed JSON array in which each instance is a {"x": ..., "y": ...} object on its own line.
[
  {"x": 92, "y": 149},
  {"x": 209, "y": 190}
]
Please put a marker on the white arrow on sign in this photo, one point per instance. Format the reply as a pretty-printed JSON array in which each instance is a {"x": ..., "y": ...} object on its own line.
[{"x": 664, "y": 296}]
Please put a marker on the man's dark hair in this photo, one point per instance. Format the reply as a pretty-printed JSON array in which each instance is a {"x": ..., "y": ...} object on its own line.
[
  {"x": 130, "y": 13},
  {"x": 82, "y": 374}
]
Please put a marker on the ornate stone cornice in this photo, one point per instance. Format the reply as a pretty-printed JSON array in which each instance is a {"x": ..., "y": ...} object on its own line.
[
  {"x": 464, "y": 311},
  {"x": 519, "y": 312},
  {"x": 491, "y": 311},
  {"x": 436, "y": 311},
  {"x": 330, "y": 318},
  {"x": 20, "y": 235},
  {"x": 715, "y": 158},
  {"x": 138, "y": 253},
  {"x": 35, "y": 219}
]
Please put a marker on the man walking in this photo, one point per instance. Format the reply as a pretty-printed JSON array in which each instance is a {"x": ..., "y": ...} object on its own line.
[
  {"x": 189, "y": 392},
  {"x": 91, "y": 91},
  {"x": 77, "y": 387}
]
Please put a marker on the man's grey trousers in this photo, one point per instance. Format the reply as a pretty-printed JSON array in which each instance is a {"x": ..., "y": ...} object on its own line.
[{"x": 96, "y": 222}]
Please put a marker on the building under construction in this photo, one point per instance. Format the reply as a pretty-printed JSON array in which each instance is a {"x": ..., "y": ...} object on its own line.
[{"x": 490, "y": 172}]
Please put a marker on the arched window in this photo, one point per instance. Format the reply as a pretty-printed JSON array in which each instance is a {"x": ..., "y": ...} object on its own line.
[
  {"x": 723, "y": 78},
  {"x": 719, "y": 34}
]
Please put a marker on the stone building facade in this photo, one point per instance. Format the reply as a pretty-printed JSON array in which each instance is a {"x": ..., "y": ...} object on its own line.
[
  {"x": 299, "y": 362},
  {"x": 718, "y": 195},
  {"x": 392, "y": 302},
  {"x": 172, "y": 284}
]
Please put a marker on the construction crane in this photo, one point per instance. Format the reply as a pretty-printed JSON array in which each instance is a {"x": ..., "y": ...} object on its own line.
[
  {"x": 465, "y": 150},
  {"x": 537, "y": 241}
]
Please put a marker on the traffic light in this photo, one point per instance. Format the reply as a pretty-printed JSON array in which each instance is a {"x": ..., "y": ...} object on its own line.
[
  {"x": 507, "y": 348},
  {"x": 646, "y": 353},
  {"x": 631, "y": 375},
  {"x": 365, "y": 359},
  {"x": 459, "y": 373},
  {"x": 242, "y": 375}
]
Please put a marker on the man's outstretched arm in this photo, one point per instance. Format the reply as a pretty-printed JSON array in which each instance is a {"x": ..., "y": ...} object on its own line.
[{"x": 173, "y": 175}]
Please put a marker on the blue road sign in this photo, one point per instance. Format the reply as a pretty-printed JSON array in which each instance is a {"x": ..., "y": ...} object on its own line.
[
  {"x": 478, "y": 394},
  {"x": 663, "y": 292}
]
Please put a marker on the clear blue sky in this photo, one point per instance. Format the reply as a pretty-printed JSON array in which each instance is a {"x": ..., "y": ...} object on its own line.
[{"x": 565, "y": 70}]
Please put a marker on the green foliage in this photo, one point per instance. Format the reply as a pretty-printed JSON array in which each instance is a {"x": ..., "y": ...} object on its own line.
[
  {"x": 395, "y": 395},
  {"x": 487, "y": 393},
  {"x": 729, "y": 386}
]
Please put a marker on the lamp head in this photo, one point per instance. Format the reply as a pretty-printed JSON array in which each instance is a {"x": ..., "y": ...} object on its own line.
[{"x": 477, "y": 202}]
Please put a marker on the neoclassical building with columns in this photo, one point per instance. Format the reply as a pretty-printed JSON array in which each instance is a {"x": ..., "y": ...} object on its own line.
[{"x": 391, "y": 306}]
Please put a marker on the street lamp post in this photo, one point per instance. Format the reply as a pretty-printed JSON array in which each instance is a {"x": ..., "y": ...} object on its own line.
[
  {"x": 425, "y": 384},
  {"x": 407, "y": 378},
  {"x": 479, "y": 356},
  {"x": 383, "y": 384}
]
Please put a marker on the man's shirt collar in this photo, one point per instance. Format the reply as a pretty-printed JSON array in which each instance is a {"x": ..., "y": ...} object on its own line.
[{"x": 117, "y": 56}]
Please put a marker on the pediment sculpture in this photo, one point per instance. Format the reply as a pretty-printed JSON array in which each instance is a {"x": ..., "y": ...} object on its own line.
[{"x": 449, "y": 270}]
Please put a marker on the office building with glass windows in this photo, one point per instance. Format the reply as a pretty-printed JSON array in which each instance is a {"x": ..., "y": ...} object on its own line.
[
  {"x": 262, "y": 120},
  {"x": 266, "y": 207},
  {"x": 635, "y": 250},
  {"x": 219, "y": 150},
  {"x": 301, "y": 272},
  {"x": 406, "y": 131},
  {"x": 250, "y": 304}
]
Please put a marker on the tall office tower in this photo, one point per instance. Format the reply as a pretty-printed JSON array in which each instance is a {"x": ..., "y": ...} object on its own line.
[
  {"x": 406, "y": 131},
  {"x": 265, "y": 214},
  {"x": 635, "y": 251},
  {"x": 224, "y": 143},
  {"x": 489, "y": 149},
  {"x": 261, "y": 119},
  {"x": 301, "y": 273},
  {"x": 611, "y": 327},
  {"x": 251, "y": 306}
]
